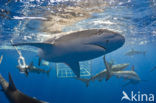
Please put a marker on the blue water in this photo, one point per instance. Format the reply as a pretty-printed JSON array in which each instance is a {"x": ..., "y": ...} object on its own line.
[{"x": 135, "y": 19}]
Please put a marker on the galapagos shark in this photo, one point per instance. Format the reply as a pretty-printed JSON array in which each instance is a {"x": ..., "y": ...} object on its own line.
[
  {"x": 133, "y": 52},
  {"x": 13, "y": 94},
  {"x": 103, "y": 74},
  {"x": 131, "y": 75},
  {"x": 32, "y": 68},
  {"x": 78, "y": 46}
]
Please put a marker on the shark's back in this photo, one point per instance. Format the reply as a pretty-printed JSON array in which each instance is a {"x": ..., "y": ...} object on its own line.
[
  {"x": 19, "y": 97},
  {"x": 79, "y": 35}
]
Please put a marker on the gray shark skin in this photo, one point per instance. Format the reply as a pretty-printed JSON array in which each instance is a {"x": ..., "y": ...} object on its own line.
[
  {"x": 78, "y": 46},
  {"x": 100, "y": 76},
  {"x": 118, "y": 67},
  {"x": 31, "y": 68},
  {"x": 135, "y": 52},
  {"x": 129, "y": 75},
  {"x": 13, "y": 94}
]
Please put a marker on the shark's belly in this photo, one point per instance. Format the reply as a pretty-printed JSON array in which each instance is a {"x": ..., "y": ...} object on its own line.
[{"x": 75, "y": 53}]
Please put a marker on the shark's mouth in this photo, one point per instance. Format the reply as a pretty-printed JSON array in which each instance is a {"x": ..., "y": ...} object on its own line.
[{"x": 97, "y": 45}]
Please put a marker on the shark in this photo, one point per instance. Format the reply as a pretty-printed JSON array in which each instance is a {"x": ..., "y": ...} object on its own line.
[
  {"x": 130, "y": 75},
  {"x": 133, "y": 52},
  {"x": 13, "y": 94},
  {"x": 103, "y": 74},
  {"x": 73, "y": 47},
  {"x": 33, "y": 69}
]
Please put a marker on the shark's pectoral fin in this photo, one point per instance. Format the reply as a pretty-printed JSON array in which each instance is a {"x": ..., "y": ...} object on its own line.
[
  {"x": 74, "y": 65},
  {"x": 39, "y": 45},
  {"x": 11, "y": 83}
]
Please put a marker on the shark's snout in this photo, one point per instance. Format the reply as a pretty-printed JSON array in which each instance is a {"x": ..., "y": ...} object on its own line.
[{"x": 120, "y": 40}]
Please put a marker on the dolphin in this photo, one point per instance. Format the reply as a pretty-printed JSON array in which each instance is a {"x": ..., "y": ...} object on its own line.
[
  {"x": 13, "y": 94},
  {"x": 74, "y": 47},
  {"x": 134, "y": 52}
]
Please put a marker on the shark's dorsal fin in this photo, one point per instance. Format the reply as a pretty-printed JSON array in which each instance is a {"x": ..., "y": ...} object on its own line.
[
  {"x": 11, "y": 83},
  {"x": 133, "y": 69},
  {"x": 39, "y": 45},
  {"x": 74, "y": 65}
]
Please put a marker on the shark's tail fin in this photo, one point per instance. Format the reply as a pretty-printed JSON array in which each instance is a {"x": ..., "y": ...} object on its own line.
[{"x": 86, "y": 81}]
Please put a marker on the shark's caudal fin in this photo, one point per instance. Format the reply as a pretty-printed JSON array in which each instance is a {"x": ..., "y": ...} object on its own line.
[
  {"x": 11, "y": 84},
  {"x": 86, "y": 81},
  {"x": 108, "y": 69},
  {"x": 39, "y": 45},
  {"x": 74, "y": 65}
]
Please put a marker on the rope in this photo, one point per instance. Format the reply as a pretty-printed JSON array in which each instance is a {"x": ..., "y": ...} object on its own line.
[{"x": 21, "y": 60}]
